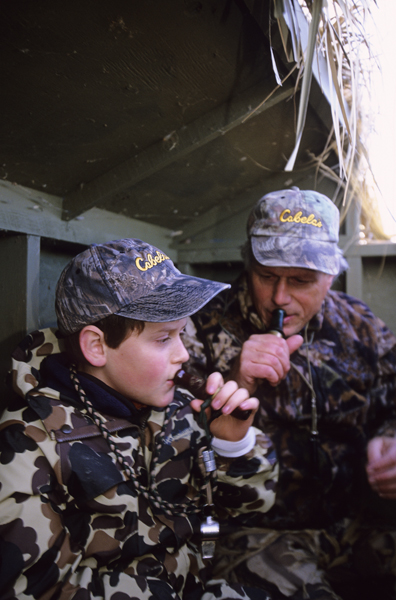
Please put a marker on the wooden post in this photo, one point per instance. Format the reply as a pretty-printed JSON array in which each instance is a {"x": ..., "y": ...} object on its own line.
[{"x": 19, "y": 297}]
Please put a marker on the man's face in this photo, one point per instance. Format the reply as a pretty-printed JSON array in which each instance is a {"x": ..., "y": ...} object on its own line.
[
  {"x": 142, "y": 368},
  {"x": 300, "y": 292}
]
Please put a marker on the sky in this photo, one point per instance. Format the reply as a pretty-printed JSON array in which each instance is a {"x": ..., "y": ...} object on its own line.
[{"x": 382, "y": 144}]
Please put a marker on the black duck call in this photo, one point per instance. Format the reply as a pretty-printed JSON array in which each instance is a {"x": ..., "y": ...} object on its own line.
[
  {"x": 197, "y": 386},
  {"x": 276, "y": 324}
]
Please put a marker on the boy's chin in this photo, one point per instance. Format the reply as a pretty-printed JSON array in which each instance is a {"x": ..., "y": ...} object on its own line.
[{"x": 166, "y": 399}]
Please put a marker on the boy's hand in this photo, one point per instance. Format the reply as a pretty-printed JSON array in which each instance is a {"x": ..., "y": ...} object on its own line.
[{"x": 228, "y": 397}]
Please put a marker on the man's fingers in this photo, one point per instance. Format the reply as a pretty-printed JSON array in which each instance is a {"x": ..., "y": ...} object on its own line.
[
  {"x": 294, "y": 342},
  {"x": 374, "y": 450},
  {"x": 265, "y": 357},
  {"x": 381, "y": 454}
]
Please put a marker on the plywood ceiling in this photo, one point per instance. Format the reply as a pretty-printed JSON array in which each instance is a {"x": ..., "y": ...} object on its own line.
[{"x": 143, "y": 108}]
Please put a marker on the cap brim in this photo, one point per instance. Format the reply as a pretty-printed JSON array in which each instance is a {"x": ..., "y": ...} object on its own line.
[
  {"x": 278, "y": 251},
  {"x": 181, "y": 298}
]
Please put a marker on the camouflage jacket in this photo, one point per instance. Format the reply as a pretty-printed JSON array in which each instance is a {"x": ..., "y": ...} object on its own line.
[
  {"x": 75, "y": 524},
  {"x": 353, "y": 363}
]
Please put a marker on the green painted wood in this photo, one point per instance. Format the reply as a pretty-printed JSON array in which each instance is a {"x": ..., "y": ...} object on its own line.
[
  {"x": 28, "y": 211},
  {"x": 19, "y": 296},
  {"x": 177, "y": 145},
  {"x": 239, "y": 205}
]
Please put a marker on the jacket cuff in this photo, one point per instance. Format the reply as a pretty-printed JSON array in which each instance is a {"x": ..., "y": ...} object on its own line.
[{"x": 235, "y": 449}]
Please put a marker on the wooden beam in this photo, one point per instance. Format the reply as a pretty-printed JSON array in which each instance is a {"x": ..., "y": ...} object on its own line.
[
  {"x": 172, "y": 148},
  {"x": 32, "y": 212},
  {"x": 354, "y": 277},
  {"x": 373, "y": 248},
  {"x": 219, "y": 254}
]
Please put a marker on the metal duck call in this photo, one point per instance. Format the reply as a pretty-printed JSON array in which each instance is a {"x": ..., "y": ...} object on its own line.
[{"x": 197, "y": 386}]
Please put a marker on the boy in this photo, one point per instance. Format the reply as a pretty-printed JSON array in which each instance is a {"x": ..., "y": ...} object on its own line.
[{"x": 103, "y": 487}]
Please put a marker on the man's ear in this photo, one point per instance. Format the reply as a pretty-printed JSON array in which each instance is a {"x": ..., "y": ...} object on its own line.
[{"x": 93, "y": 345}]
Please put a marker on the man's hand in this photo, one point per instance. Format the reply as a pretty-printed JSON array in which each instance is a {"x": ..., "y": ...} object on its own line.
[
  {"x": 264, "y": 356},
  {"x": 228, "y": 396},
  {"x": 381, "y": 466}
]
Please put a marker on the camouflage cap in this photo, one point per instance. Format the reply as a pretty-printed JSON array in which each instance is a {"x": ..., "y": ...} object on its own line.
[
  {"x": 129, "y": 278},
  {"x": 296, "y": 228}
]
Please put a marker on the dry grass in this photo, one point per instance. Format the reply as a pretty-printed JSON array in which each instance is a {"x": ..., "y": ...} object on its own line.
[{"x": 336, "y": 38}]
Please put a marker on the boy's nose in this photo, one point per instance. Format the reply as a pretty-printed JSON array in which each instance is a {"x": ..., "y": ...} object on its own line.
[{"x": 181, "y": 355}]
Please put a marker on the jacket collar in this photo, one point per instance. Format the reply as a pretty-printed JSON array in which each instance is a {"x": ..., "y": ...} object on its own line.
[{"x": 56, "y": 374}]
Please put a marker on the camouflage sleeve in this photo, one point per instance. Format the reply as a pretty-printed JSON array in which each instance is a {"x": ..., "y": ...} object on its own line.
[
  {"x": 383, "y": 392},
  {"x": 195, "y": 347},
  {"x": 209, "y": 350},
  {"x": 247, "y": 483}
]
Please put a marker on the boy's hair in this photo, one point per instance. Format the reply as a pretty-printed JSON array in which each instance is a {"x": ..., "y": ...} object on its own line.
[{"x": 115, "y": 329}]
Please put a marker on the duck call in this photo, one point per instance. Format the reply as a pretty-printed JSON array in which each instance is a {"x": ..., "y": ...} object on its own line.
[
  {"x": 276, "y": 324},
  {"x": 197, "y": 386}
]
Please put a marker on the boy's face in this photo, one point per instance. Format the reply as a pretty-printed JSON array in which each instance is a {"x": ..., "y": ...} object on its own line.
[{"x": 142, "y": 368}]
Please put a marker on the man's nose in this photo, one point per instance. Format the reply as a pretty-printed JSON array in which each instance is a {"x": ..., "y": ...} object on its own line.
[{"x": 281, "y": 294}]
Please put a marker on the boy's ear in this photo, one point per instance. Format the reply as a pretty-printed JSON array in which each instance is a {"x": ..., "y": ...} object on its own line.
[{"x": 93, "y": 345}]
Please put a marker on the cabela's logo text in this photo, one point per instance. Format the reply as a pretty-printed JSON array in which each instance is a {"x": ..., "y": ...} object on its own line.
[
  {"x": 143, "y": 264},
  {"x": 286, "y": 217}
]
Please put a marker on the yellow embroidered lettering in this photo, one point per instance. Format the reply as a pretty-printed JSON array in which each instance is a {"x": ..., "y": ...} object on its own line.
[
  {"x": 286, "y": 217},
  {"x": 150, "y": 262},
  {"x": 283, "y": 214}
]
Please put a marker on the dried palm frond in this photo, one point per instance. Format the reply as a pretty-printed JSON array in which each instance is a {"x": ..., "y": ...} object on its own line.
[
  {"x": 336, "y": 50},
  {"x": 362, "y": 191}
]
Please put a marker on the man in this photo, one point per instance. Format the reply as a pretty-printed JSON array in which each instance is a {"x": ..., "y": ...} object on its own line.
[{"x": 327, "y": 400}]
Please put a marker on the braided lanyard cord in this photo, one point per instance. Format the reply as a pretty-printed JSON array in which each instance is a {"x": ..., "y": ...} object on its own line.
[{"x": 151, "y": 494}]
